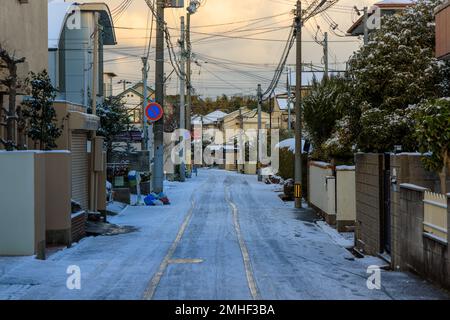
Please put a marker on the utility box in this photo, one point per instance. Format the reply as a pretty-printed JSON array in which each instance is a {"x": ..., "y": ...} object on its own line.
[{"x": 174, "y": 4}]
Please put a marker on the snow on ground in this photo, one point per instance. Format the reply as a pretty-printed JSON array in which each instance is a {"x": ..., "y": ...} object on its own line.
[
  {"x": 291, "y": 256},
  {"x": 346, "y": 241}
]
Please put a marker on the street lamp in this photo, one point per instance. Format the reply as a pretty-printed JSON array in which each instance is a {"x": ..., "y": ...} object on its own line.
[{"x": 193, "y": 6}]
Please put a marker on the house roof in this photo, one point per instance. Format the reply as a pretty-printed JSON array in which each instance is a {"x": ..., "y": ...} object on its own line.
[
  {"x": 210, "y": 118},
  {"x": 442, "y": 6},
  {"x": 357, "y": 27},
  {"x": 283, "y": 103},
  {"x": 136, "y": 91},
  {"x": 59, "y": 12}
]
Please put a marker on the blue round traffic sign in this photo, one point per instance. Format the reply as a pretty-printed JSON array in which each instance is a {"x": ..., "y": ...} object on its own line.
[{"x": 154, "y": 112}]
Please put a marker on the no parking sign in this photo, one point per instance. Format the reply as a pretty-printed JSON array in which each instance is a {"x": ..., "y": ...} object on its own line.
[{"x": 154, "y": 112}]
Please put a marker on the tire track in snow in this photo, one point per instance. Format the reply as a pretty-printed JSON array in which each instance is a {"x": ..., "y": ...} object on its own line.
[{"x": 245, "y": 255}]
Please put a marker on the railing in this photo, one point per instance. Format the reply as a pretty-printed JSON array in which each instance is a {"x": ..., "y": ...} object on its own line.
[{"x": 435, "y": 216}]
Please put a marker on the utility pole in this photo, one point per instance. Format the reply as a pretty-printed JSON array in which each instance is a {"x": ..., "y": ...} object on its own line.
[
  {"x": 158, "y": 127},
  {"x": 93, "y": 182},
  {"x": 145, "y": 143},
  {"x": 366, "y": 29},
  {"x": 298, "y": 109},
  {"x": 258, "y": 147},
  {"x": 124, "y": 83},
  {"x": 182, "y": 93},
  {"x": 289, "y": 98},
  {"x": 188, "y": 72},
  {"x": 325, "y": 53}
]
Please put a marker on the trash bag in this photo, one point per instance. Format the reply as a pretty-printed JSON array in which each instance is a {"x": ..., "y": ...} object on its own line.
[
  {"x": 158, "y": 203},
  {"x": 149, "y": 200},
  {"x": 165, "y": 201}
]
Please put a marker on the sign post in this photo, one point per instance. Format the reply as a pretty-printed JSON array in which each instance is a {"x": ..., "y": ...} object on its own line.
[{"x": 154, "y": 112}]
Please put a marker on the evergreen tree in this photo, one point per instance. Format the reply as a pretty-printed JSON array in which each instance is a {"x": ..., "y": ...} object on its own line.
[
  {"x": 114, "y": 119},
  {"x": 322, "y": 108},
  {"x": 38, "y": 112}
]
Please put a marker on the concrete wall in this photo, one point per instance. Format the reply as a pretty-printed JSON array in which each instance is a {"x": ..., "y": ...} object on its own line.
[
  {"x": 404, "y": 168},
  {"x": 407, "y": 168},
  {"x": 322, "y": 189},
  {"x": 58, "y": 197},
  {"x": 22, "y": 203},
  {"x": 417, "y": 252},
  {"x": 346, "y": 198},
  {"x": 368, "y": 211}
]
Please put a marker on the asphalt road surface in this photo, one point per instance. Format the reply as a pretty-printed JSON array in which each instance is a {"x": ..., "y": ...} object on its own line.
[{"x": 225, "y": 236}]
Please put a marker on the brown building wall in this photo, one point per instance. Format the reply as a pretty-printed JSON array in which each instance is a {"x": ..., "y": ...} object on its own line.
[{"x": 443, "y": 31}]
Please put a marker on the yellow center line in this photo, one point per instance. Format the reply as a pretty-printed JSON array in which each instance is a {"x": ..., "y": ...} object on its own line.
[{"x": 151, "y": 289}]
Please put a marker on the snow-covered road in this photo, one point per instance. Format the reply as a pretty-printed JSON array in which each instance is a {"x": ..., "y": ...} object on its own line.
[{"x": 225, "y": 236}]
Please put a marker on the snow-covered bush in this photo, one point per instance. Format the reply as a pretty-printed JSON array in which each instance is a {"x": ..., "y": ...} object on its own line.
[
  {"x": 37, "y": 114},
  {"x": 433, "y": 136},
  {"x": 340, "y": 145},
  {"x": 322, "y": 108},
  {"x": 396, "y": 69},
  {"x": 114, "y": 119}
]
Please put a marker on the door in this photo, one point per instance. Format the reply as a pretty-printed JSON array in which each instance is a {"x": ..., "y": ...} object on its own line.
[
  {"x": 80, "y": 169},
  {"x": 386, "y": 221}
]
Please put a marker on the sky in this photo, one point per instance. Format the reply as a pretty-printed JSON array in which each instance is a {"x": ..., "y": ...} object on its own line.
[{"x": 231, "y": 65}]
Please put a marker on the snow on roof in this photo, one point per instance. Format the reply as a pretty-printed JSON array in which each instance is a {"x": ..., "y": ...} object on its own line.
[
  {"x": 209, "y": 118},
  {"x": 290, "y": 144},
  {"x": 283, "y": 103},
  {"x": 393, "y": 2},
  {"x": 57, "y": 15}
]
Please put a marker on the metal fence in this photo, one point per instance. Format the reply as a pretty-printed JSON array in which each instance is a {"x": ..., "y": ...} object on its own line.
[{"x": 435, "y": 215}]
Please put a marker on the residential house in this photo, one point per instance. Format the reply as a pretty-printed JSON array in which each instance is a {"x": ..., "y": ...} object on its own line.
[
  {"x": 442, "y": 14},
  {"x": 242, "y": 119},
  {"x": 23, "y": 26},
  {"x": 208, "y": 122},
  {"x": 108, "y": 79},
  {"x": 133, "y": 99},
  {"x": 71, "y": 53},
  {"x": 386, "y": 7}
]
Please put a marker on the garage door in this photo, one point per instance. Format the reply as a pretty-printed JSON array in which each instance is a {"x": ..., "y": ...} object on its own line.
[{"x": 80, "y": 169}]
